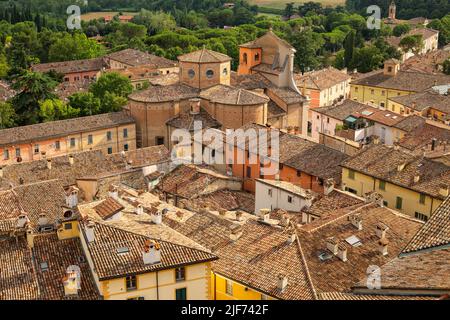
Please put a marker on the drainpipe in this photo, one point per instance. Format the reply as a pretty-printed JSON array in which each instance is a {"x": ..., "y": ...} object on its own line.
[{"x": 157, "y": 286}]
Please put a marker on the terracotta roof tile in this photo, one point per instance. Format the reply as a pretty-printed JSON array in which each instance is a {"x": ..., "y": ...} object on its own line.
[
  {"x": 233, "y": 96},
  {"x": 321, "y": 79},
  {"x": 107, "y": 208},
  {"x": 157, "y": 94},
  {"x": 343, "y": 110},
  {"x": 204, "y": 56},
  {"x": 73, "y": 66},
  {"x": 136, "y": 58}
]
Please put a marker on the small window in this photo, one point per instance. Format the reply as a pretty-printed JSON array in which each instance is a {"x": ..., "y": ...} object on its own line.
[
  {"x": 351, "y": 174},
  {"x": 131, "y": 282},
  {"x": 17, "y": 152},
  {"x": 72, "y": 142},
  {"x": 191, "y": 73},
  {"x": 36, "y": 149},
  {"x": 209, "y": 73},
  {"x": 125, "y": 147},
  {"x": 159, "y": 141},
  {"x": 398, "y": 203},
  {"x": 382, "y": 185},
  {"x": 356, "y": 89},
  {"x": 244, "y": 58},
  {"x": 280, "y": 166},
  {"x": 257, "y": 57},
  {"x": 421, "y": 216},
  {"x": 213, "y": 153},
  {"x": 109, "y": 136},
  {"x": 299, "y": 173},
  {"x": 269, "y": 192},
  {"x": 125, "y": 133},
  {"x": 68, "y": 226},
  {"x": 57, "y": 145},
  {"x": 229, "y": 287},
  {"x": 44, "y": 266},
  {"x": 351, "y": 190},
  {"x": 66, "y": 79},
  {"x": 90, "y": 139},
  {"x": 249, "y": 172},
  {"x": 225, "y": 71},
  {"x": 385, "y": 203},
  {"x": 180, "y": 294},
  {"x": 289, "y": 199},
  {"x": 422, "y": 198},
  {"x": 180, "y": 274},
  {"x": 110, "y": 150},
  {"x": 6, "y": 154}
]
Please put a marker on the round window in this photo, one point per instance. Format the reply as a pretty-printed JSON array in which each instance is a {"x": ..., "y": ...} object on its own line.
[
  {"x": 191, "y": 73},
  {"x": 209, "y": 73}
]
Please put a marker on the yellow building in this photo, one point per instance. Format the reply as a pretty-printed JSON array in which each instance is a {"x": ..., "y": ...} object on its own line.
[
  {"x": 410, "y": 184},
  {"x": 129, "y": 266},
  {"x": 109, "y": 132},
  {"x": 378, "y": 87}
]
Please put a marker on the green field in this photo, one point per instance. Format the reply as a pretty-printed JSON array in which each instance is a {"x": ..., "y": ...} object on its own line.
[
  {"x": 98, "y": 15},
  {"x": 280, "y": 4}
]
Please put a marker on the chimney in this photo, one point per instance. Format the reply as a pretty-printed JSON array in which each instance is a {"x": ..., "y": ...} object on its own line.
[
  {"x": 416, "y": 178},
  {"x": 342, "y": 252},
  {"x": 356, "y": 221},
  {"x": 72, "y": 197},
  {"x": 284, "y": 220},
  {"x": 433, "y": 144},
  {"x": 376, "y": 140},
  {"x": 139, "y": 209},
  {"x": 90, "y": 231},
  {"x": 282, "y": 282},
  {"x": 400, "y": 167},
  {"x": 383, "y": 246},
  {"x": 1, "y": 172},
  {"x": 22, "y": 220},
  {"x": 222, "y": 212},
  {"x": 239, "y": 215},
  {"x": 113, "y": 192},
  {"x": 266, "y": 217},
  {"x": 332, "y": 245},
  {"x": 43, "y": 219},
  {"x": 292, "y": 237},
  {"x": 396, "y": 146},
  {"x": 443, "y": 190},
  {"x": 49, "y": 164},
  {"x": 30, "y": 237},
  {"x": 195, "y": 106},
  {"x": 71, "y": 160},
  {"x": 263, "y": 212},
  {"x": 381, "y": 230},
  {"x": 157, "y": 217},
  {"x": 180, "y": 214},
  {"x": 70, "y": 282},
  {"x": 235, "y": 231},
  {"x": 152, "y": 252},
  {"x": 328, "y": 186}
]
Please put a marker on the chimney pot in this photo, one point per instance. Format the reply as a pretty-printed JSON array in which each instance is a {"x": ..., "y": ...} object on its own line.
[
  {"x": 239, "y": 215},
  {"x": 152, "y": 252},
  {"x": 292, "y": 238},
  {"x": 356, "y": 221},
  {"x": 282, "y": 282},
  {"x": 71, "y": 160},
  {"x": 381, "y": 230},
  {"x": 444, "y": 190},
  {"x": 90, "y": 231},
  {"x": 342, "y": 252},
  {"x": 383, "y": 246},
  {"x": 332, "y": 245}
]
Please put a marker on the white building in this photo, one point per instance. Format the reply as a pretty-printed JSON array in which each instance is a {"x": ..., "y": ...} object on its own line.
[{"x": 276, "y": 194}]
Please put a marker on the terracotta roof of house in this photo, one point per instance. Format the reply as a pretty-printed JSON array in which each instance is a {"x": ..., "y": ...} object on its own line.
[
  {"x": 385, "y": 117},
  {"x": 326, "y": 205},
  {"x": 383, "y": 162},
  {"x": 424, "y": 32},
  {"x": 62, "y": 128},
  {"x": 288, "y": 187},
  {"x": 233, "y": 96},
  {"x": 422, "y": 136},
  {"x": 72, "y": 66},
  {"x": 364, "y": 297},
  {"x": 10, "y": 206},
  {"x": 274, "y": 111},
  {"x": 267, "y": 68},
  {"x": 108, "y": 207},
  {"x": 136, "y": 58},
  {"x": 224, "y": 199},
  {"x": 424, "y": 100},
  {"x": 250, "y": 81},
  {"x": 156, "y": 94},
  {"x": 287, "y": 95},
  {"x": 321, "y": 79},
  {"x": 424, "y": 271},
  {"x": 270, "y": 33},
  {"x": 260, "y": 256},
  {"x": 109, "y": 263},
  {"x": 435, "y": 233},
  {"x": 410, "y": 123},
  {"x": 343, "y": 110},
  {"x": 430, "y": 62},
  {"x": 204, "y": 56},
  {"x": 144, "y": 156},
  {"x": 402, "y": 81},
  {"x": 6, "y": 92},
  {"x": 186, "y": 121},
  {"x": 59, "y": 255},
  {"x": 333, "y": 274},
  {"x": 67, "y": 88}
]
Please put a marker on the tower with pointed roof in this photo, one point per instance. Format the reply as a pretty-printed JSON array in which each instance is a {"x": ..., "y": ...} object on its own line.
[{"x": 204, "y": 68}]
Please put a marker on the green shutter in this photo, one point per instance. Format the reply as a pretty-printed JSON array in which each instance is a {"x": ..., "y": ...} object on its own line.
[
  {"x": 180, "y": 294},
  {"x": 398, "y": 204}
]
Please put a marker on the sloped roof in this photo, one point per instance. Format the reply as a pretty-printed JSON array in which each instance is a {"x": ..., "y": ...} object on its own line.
[
  {"x": 321, "y": 79},
  {"x": 233, "y": 96},
  {"x": 204, "y": 56},
  {"x": 136, "y": 58},
  {"x": 156, "y": 94},
  {"x": 72, "y": 66}
]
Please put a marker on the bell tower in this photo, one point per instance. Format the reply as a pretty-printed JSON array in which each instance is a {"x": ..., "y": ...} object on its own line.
[{"x": 392, "y": 10}]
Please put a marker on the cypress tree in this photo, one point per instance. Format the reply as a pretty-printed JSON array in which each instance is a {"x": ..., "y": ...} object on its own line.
[{"x": 349, "y": 47}]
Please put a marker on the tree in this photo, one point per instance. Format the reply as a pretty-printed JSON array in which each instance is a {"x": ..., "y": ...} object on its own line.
[
  {"x": 289, "y": 10},
  {"x": 412, "y": 43},
  {"x": 155, "y": 22},
  {"x": 55, "y": 109},
  {"x": 349, "y": 47},
  {"x": 33, "y": 87},
  {"x": 401, "y": 29},
  {"x": 112, "y": 102},
  {"x": 367, "y": 59},
  {"x": 7, "y": 115},
  {"x": 85, "y": 102},
  {"x": 307, "y": 43},
  {"x": 446, "y": 66},
  {"x": 75, "y": 47},
  {"x": 112, "y": 82}
]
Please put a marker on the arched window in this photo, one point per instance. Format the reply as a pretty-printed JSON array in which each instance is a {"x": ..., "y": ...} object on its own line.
[
  {"x": 225, "y": 71},
  {"x": 244, "y": 58},
  {"x": 257, "y": 57}
]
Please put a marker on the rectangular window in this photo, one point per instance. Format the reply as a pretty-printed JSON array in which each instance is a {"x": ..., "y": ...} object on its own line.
[
  {"x": 90, "y": 139},
  {"x": 213, "y": 153},
  {"x": 269, "y": 192},
  {"x": 229, "y": 287},
  {"x": 109, "y": 136},
  {"x": 299, "y": 173},
  {"x": 125, "y": 147},
  {"x": 289, "y": 199},
  {"x": 17, "y": 152},
  {"x": 110, "y": 150},
  {"x": 68, "y": 226},
  {"x": 351, "y": 190},
  {"x": 422, "y": 198},
  {"x": 72, "y": 142},
  {"x": 356, "y": 89},
  {"x": 159, "y": 141},
  {"x": 180, "y": 274},
  {"x": 351, "y": 174},
  {"x": 398, "y": 203},
  {"x": 382, "y": 185},
  {"x": 57, "y": 145},
  {"x": 180, "y": 294},
  {"x": 421, "y": 216},
  {"x": 6, "y": 154},
  {"x": 131, "y": 283},
  {"x": 280, "y": 166},
  {"x": 249, "y": 172},
  {"x": 36, "y": 149},
  {"x": 125, "y": 133}
]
